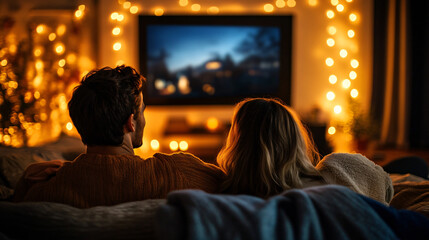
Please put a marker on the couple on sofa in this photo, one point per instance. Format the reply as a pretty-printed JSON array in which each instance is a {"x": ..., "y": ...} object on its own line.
[{"x": 267, "y": 152}]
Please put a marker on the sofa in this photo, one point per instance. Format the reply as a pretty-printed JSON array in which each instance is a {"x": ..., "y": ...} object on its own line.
[{"x": 326, "y": 212}]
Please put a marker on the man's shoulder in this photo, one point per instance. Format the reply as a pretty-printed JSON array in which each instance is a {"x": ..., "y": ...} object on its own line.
[{"x": 179, "y": 156}]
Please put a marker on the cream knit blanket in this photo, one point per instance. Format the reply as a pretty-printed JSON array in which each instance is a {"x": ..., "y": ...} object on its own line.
[{"x": 358, "y": 173}]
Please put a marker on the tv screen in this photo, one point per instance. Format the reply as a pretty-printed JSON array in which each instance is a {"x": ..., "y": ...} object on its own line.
[{"x": 197, "y": 60}]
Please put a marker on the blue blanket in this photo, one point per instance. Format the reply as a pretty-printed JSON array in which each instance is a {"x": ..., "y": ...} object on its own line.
[{"x": 328, "y": 212}]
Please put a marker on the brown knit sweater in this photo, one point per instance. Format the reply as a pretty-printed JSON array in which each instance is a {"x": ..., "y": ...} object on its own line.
[{"x": 95, "y": 179}]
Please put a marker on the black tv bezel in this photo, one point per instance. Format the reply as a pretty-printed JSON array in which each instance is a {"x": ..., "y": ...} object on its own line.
[{"x": 285, "y": 74}]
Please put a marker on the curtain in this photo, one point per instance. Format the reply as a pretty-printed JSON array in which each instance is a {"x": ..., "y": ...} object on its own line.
[{"x": 400, "y": 74}]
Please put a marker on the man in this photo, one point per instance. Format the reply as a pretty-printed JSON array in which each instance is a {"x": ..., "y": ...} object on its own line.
[{"x": 107, "y": 109}]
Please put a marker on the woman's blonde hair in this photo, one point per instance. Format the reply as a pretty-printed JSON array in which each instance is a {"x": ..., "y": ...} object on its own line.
[{"x": 267, "y": 151}]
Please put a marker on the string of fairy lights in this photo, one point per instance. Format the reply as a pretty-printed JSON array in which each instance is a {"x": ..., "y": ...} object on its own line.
[{"x": 339, "y": 12}]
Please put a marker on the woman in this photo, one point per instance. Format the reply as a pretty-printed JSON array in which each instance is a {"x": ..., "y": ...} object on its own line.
[{"x": 268, "y": 150}]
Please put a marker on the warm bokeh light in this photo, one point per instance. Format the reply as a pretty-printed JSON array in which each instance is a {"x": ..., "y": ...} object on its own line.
[
  {"x": 350, "y": 33},
  {"x": 330, "y": 95},
  {"x": 116, "y": 31},
  {"x": 354, "y": 93},
  {"x": 37, "y": 52},
  {"x": 3, "y": 63},
  {"x": 183, "y": 145},
  {"x": 352, "y": 17},
  {"x": 154, "y": 145},
  {"x": 60, "y": 71},
  {"x": 354, "y": 63},
  {"x": 331, "y": 130},
  {"x": 291, "y": 3},
  {"x": 134, "y": 9},
  {"x": 71, "y": 58},
  {"x": 268, "y": 7},
  {"x": 174, "y": 146},
  {"x": 62, "y": 62},
  {"x": 212, "y": 123},
  {"x": 39, "y": 65},
  {"x": 40, "y": 28},
  {"x": 81, "y": 7},
  {"x": 329, "y": 62},
  {"x": 343, "y": 53},
  {"x": 346, "y": 83},
  {"x": 120, "y": 18},
  {"x": 183, "y": 3},
  {"x": 338, "y": 109},
  {"x": 117, "y": 46},
  {"x": 78, "y": 14},
  {"x": 69, "y": 126},
  {"x": 349, "y": 0},
  {"x": 52, "y": 36},
  {"x": 330, "y": 14},
  {"x": 126, "y": 5},
  {"x": 340, "y": 8},
  {"x": 353, "y": 75},
  {"x": 313, "y": 3},
  {"x": 158, "y": 12},
  {"x": 36, "y": 94},
  {"x": 280, "y": 3},
  {"x": 332, "y": 30},
  {"x": 114, "y": 15},
  {"x": 59, "y": 48},
  {"x": 334, "y": 2},
  {"x": 330, "y": 42},
  {"x": 196, "y": 7},
  {"x": 61, "y": 29},
  {"x": 332, "y": 79},
  {"x": 213, "y": 10}
]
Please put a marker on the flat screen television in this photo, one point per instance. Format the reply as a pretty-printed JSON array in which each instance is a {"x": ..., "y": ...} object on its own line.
[{"x": 205, "y": 60}]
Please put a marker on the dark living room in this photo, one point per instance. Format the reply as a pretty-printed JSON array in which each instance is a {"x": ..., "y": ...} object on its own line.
[{"x": 355, "y": 72}]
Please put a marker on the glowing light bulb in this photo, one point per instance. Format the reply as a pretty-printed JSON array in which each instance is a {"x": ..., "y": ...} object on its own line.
[
  {"x": 134, "y": 9},
  {"x": 331, "y": 130},
  {"x": 340, "y": 8},
  {"x": 350, "y": 33},
  {"x": 268, "y": 8},
  {"x": 333, "y": 79},
  {"x": 354, "y": 63},
  {"x": 312, "y": 3},
  {"x": 196, "y": 7},
  {"x": 183, "y": 145},
  {"x": 116, "y": 31},
  {"x": 330, "y": 95},
  {"x": 343, "y": 53},
  {"x": 126, "y": 5},
  {"x": 213, "y": 10},
  {"x": 291, "y": 3},
  {"x": 332, "y": 30},
  {"x": 280, "y": 3},
  {"x": 114, "y": 15},
  {"x": 117, "y": 46},
  {"x": 183, "y": 3},
  {"x": 69, "y": 126},
  {"x": 330, "y": 14},
  {"x": 40, "y": 28},
  {"x": 353, "y": 75},
  {"x": 354, "y": 93},
  {"x": 338, "y": 109},
  {"x": 334, "y": 2},
  {"x": 346, "y": 83},
  {"x": 329, "y": 62},
  {"x": 352, "y": 17},
  {"x": 174, "y": 146},
  {"x": 330, "y": 42},
  {"x": 159, "y": 12},
  {"x": 154, "y": 145}
]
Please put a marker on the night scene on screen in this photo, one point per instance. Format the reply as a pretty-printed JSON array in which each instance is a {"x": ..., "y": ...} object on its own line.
[{"x": 193, "y": 61}]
